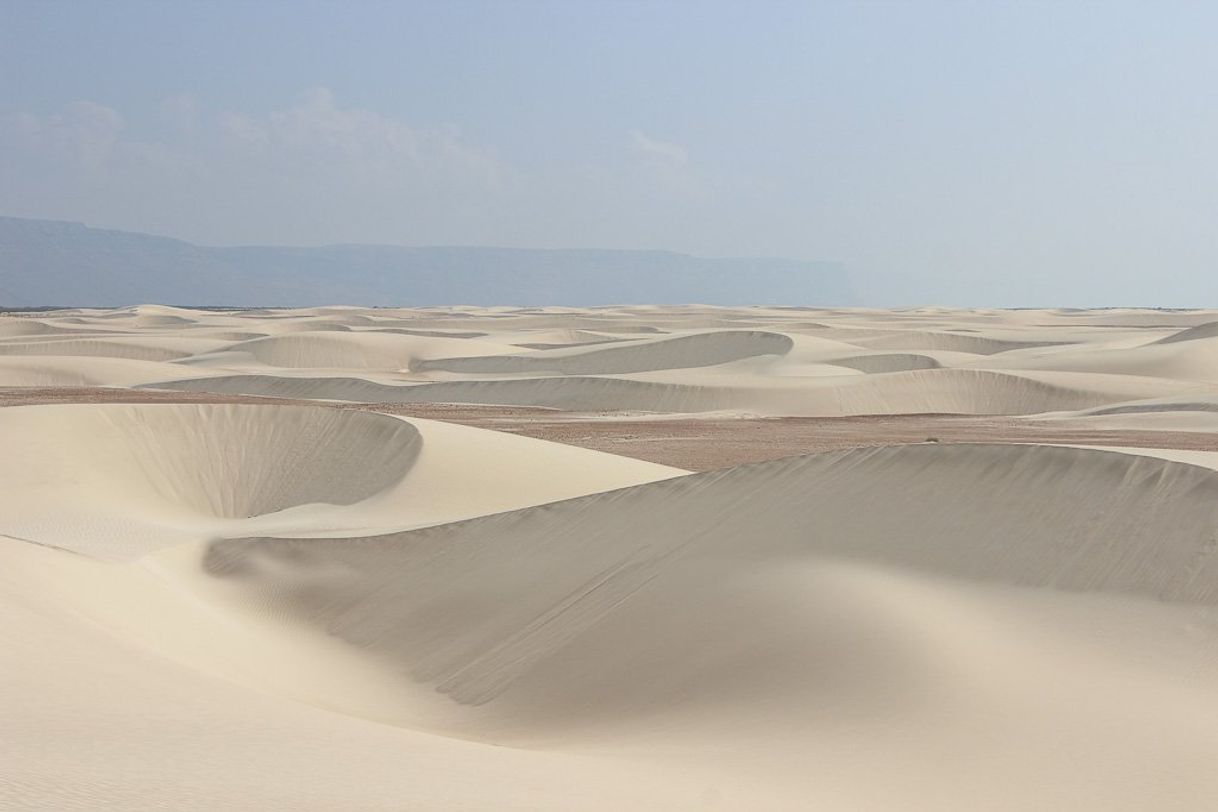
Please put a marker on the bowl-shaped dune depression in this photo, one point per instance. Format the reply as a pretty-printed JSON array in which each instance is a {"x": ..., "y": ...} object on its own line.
[{"x": 840, "y": 559}]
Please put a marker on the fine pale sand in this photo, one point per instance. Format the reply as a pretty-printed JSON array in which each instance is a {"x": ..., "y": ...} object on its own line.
[{"x": 242, "y": 569}]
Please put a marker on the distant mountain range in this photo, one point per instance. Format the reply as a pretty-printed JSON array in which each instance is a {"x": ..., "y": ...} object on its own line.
[{"x": 50, "y": 262}]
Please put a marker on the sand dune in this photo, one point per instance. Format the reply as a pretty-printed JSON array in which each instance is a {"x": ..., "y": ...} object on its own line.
[
  {"x": 1194, "y": 359},
  {"x": 1129, "y": 538},
  {"x": 116, "y": 481},
  {"x": 81, "y": 370},
  {"x": 703, "y": 350},
  {"x": 888, "y": 362},
  {"x": 141, "y": 351},
  {"x": 29, "y": 327},
  {"x": 709, "y": 619},
  {"x": 1206, "y": 330},
  {"x": 766, "y": 361},
  {"x": 291, "y": 604},
  {"x": 923, "y": 340},
  {"x": 346, "y": 351},
  {"x": 938, "y": 391}
]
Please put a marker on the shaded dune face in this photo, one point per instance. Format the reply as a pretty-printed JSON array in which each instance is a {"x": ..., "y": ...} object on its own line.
[
  {"x": 118, "y": 481},
  {"x": 1207, "y": 330},
  {"x": 305, "y": 350},
  {"x": 81, "y": 347},
  {"x": 237, "y": 462},
  {"x": 887, "y": 362},
  {"x": 28, "y": 327},
  {"x": 683, "y": 352},
  {"x": 1168, "y": 406},
  {"x": 322, "y": 345},
  {"x": 222, "y": 461},
  {"x": 490, "y": 612},
  {"x": 940, "y": 391},
  {"x": 914, "y": 340}
]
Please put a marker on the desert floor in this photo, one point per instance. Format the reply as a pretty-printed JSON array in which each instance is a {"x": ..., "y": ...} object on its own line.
[{"x": 609, "y": 558}]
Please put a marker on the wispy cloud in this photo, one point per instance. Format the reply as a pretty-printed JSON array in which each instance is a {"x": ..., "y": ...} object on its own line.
[
  {"x": 83, "y": 134},
  {"x": 314, "y": 170},
  {"x": 296, "y": 165},
  {"x": 664, "y": 152}
]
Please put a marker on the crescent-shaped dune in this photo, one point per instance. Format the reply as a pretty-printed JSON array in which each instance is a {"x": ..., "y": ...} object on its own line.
[
  {"x": 117, "y": 481},
  {"x": 887, "y": 362}
]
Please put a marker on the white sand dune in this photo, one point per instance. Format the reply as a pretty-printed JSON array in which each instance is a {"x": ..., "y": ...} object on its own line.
[
  {"x": 717, "y": 527},
  {"x": 1187, "y": 412},
  {"x": 430, "y": 333},
  {"x": 955, "y": 391},
  {"x": 345, "y": 351},
  {"x": 311, "y": 606},
  {"x": 117, "y": 481},
  {"x": 703, "y": 350},
  {"x": 768, "y": 361},
  {"x": 83, "y": 370},
  {"x": 917, "y": 340},
  {"x": 1206, "y": 330},
  {"x": 30, "y": 327},
  {"x": 888, "y": 362},
  {"x": 1192, "y": 359},
  {"x": 680, "y": 633},
  {"x": 308, "y": 325},
  {"x": 164, "y": 349}
]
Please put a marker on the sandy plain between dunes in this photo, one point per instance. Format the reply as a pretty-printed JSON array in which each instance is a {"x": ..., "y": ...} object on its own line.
[{"x": 838, "y": 559}]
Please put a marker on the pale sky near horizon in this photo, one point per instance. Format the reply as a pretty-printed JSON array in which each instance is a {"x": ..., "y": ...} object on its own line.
[{"x": 1003, "y": 154}]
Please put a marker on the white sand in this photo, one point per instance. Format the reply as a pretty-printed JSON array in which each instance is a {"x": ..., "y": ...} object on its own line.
[{"x": 297, "y": 607}]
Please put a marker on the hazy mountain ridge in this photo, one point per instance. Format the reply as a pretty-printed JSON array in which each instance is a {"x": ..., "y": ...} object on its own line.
[{"x": 46, "y": 262}]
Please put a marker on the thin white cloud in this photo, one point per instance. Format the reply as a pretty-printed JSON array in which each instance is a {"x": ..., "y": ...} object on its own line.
[
  {"x": 355, "y": 148},
  {"x": 181, "y": 112},
  {"x": 316, "y": 170},
  {"x": 84, "y": 134},
  {"x": 664, "y": 152},
  {"x": 286, "y": 173}
]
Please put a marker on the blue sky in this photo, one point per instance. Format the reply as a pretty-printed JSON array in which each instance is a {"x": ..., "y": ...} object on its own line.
[{"x": 955, "y": 153}]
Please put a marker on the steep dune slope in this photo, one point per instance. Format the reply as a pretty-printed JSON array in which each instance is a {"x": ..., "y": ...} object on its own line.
[
  {"x": 932, "y": 614},
  {"x": 95, "y": 720},
  {"x": 115, "y": 481},
  {"x": 957, "y": 342},
  {"x": 1062, "y": 518},
  {"x": 703, "y": 350},
  {"x": 888, "y": 362},
  {"x": 948, "y": 391},
  {"x": 1206, "y": 330},
  {"x": 344, "y": 350},
  {"x": 1195, "y": 359}
]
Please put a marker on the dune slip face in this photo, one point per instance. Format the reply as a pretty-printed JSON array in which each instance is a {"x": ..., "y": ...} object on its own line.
[{"x": 255, "y": 559}]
